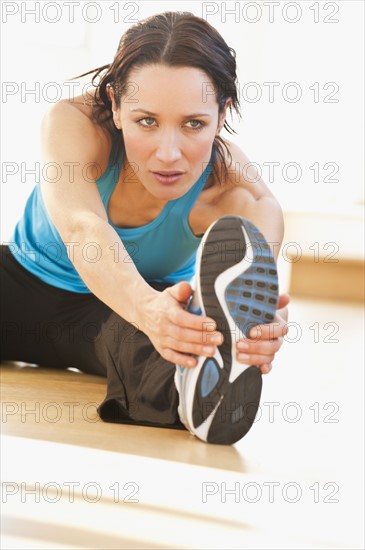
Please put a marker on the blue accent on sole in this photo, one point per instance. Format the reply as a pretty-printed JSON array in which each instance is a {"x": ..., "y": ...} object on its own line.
[{"x": 210, "y": 377}]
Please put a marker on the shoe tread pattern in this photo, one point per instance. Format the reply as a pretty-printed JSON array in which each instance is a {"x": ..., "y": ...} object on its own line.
[{"x": 251, "y": 299}]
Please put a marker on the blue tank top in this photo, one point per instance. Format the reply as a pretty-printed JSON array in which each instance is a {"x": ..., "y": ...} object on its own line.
[{"x": 163, "y": 250}]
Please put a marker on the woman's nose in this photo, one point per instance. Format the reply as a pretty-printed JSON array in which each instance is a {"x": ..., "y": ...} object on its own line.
[{"x": 168, "y": 147}]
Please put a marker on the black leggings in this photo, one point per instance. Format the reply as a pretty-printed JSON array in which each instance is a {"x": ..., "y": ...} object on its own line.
[{"x": 56, "y": 328}]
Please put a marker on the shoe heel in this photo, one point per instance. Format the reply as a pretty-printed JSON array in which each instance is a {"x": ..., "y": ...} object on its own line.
[{"x": 236, "y": 413}]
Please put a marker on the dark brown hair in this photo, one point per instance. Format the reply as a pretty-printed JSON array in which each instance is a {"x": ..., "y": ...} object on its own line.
[{"x": 173, "y": 39}]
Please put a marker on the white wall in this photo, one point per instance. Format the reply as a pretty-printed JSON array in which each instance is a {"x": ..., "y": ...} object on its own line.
[{"x": 274, "y": 49}]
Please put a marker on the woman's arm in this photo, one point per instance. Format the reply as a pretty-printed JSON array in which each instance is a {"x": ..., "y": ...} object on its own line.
[
  {"x": 248, "y": 196},
  {"x": 72, "y": 141}
]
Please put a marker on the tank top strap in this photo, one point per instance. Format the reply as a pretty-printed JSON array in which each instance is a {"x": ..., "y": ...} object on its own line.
[{"x": 113, "y": 159}]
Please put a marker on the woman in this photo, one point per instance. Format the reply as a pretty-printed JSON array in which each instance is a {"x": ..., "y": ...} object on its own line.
[{"x": 98, "y": 272}]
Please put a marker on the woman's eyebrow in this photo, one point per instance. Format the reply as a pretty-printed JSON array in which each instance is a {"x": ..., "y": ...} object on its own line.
[{"x": 155, "y": 114}]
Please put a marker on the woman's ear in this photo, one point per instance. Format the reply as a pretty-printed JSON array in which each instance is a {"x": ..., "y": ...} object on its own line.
[
  {"x": 222, "y": 116},
  {"x": 111, "y": 96},
  {"x": 115, "y": 109}
]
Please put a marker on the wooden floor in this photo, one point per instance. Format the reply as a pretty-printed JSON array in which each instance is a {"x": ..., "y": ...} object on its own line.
[{"x": 295, "y": 481}]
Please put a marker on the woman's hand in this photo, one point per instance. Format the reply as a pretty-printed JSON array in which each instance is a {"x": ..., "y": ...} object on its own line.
[
  {"x": 179, "y": 335},
  {"x": 265, "y": 340},
  {"x": 173, "y": 331}
]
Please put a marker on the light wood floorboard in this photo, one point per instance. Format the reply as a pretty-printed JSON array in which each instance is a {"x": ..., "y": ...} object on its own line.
[{"x": 295, "y": 481}]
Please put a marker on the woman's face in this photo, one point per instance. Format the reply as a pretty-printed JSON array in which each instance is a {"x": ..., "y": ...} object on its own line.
[{"x": 169, "y": 118}]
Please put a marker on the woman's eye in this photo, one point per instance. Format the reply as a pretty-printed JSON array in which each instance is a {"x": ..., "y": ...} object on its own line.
[
  {"x": 147, "y": 122},
  {"x": 195, "y": 124}
]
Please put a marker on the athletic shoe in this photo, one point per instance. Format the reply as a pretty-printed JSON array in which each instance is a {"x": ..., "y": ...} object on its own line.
[{"x": 237, "y": 286}]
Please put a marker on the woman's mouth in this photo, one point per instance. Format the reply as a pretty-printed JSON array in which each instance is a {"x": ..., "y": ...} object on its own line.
[{"x": 168, "y": 177}]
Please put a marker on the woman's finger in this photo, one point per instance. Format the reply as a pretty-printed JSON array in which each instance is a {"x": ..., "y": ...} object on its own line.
[
  {"x": 199, "y": 336},
  {"x": 251, "y": 359},
  {"x": 270, "y": 331},
  {"x": 259, "y": 347},
  {"x": 182, "y": 346},
  {"x": 266, "y": 368},
  {"x": 284, "y": 300},
  {"x": 176, "y": 358}
]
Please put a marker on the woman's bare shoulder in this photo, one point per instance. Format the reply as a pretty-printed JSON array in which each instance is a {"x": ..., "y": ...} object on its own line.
[
  {"x": 70, "y": 122},
  {"x": 241, "y": 181},
  {"x": 83, "y": 103},
  {"x": 232, "y": 195}
]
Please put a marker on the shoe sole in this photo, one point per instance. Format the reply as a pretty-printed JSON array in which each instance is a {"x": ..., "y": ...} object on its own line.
[{"x": 237, "y": 286}]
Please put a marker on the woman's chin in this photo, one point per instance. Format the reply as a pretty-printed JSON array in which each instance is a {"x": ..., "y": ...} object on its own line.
[{"x": 169, "y": 192}]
